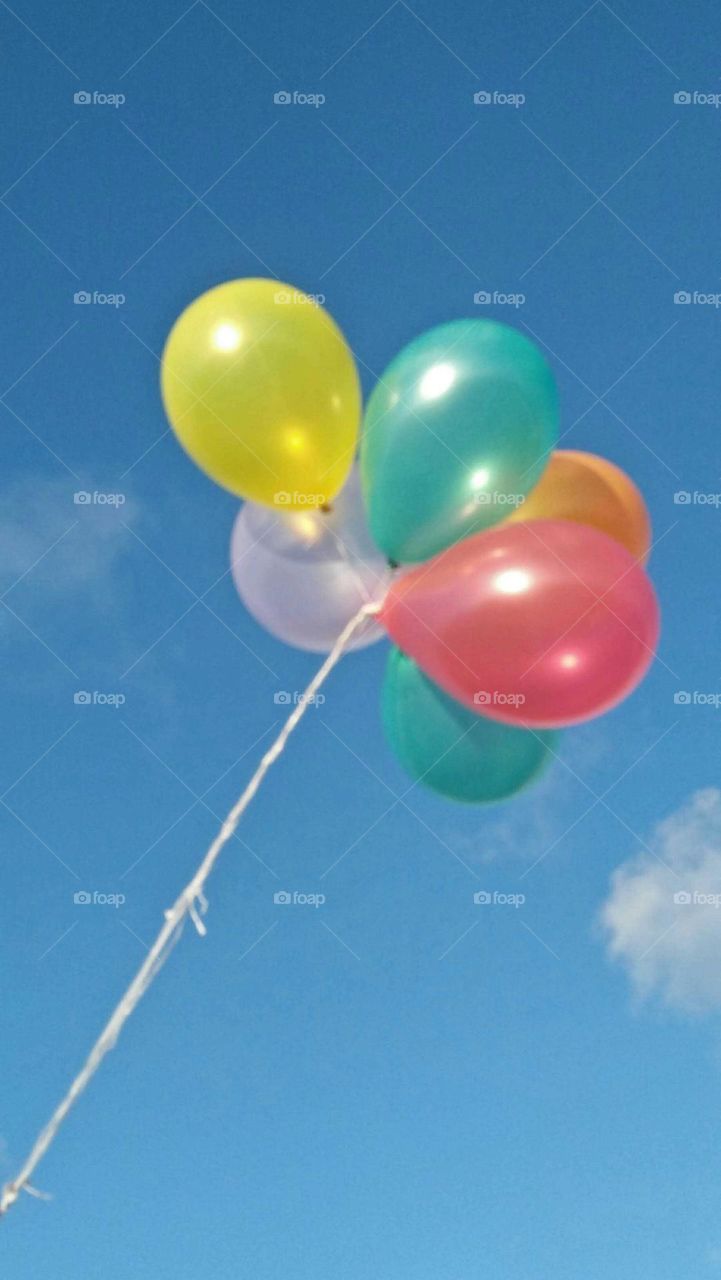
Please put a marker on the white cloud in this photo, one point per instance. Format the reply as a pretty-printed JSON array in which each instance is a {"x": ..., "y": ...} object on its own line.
[
  {"x": 60, "y": 545},
  {"x": 663, "y": 915}
]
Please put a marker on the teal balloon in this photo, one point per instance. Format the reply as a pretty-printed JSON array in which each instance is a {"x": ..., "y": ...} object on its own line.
[
  {"x": 452, "y": 750},
  {"x": 457, "y": 431}
]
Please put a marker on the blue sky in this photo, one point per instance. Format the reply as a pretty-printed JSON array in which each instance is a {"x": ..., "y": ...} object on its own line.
[{"x": 398, "y": 1083}]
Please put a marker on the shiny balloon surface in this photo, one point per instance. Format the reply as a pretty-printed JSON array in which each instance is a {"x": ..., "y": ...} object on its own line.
[
  {"x": 458, "y": 429},
  {"x": 451, "y": 749},
  {"x": 261, "y": 389},
  {"x": 545, "y": 623}
]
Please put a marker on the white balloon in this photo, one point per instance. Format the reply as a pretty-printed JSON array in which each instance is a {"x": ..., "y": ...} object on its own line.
[{"x": 304, "y": 574}]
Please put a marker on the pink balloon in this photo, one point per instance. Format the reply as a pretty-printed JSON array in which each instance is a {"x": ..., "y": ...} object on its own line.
[{"x": 544, "y": 623}]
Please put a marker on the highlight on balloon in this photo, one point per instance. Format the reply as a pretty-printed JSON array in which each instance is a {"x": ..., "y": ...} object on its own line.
[{"x": 509, "y": 574}]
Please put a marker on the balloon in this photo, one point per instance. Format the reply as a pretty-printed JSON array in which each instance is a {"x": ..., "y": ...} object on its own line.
[
  {"x": 546, "y": 623},
  {"x": 452, "y": 750},
  {"x": 304, "y": 574},
  {"x": 590, "y": 490},
  {"x": 261, "y": 389},
  {"x": 458, "y": 429}
]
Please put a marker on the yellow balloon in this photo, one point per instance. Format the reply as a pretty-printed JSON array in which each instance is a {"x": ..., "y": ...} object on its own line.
[
  {"x": 590, "y": 490},
  {"x": 261, "y": 389}
]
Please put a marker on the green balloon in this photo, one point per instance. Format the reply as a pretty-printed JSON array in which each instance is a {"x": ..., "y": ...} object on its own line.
[
  {"x": 452, "y": 750},
  {"x": 457, "y": 431}
]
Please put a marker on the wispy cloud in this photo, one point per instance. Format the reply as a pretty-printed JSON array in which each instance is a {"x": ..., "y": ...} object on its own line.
[
  {"x": 662, "y": 918},
  {"x": 533, "y": 825},
  {"x": 57, "y": 535}
]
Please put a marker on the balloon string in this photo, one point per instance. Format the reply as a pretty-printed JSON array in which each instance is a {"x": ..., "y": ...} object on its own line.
[
  {"x": 351, "y": 562},
  {"x": 191, "y": 902}
]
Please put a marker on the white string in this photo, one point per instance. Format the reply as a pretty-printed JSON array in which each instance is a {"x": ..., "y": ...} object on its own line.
[{"x": 191, "y": 902}]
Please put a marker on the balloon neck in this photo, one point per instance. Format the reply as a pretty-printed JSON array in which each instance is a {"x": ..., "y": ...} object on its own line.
[
  {"x": 393, "y": 564},
  {"x": 325, "y": 508}
]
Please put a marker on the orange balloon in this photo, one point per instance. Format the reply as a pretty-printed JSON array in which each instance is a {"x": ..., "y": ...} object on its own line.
[{"x": 593, "y": 491}]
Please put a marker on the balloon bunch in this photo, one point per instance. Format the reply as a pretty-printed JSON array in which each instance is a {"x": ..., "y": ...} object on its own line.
[{"x": 508, "y": 575}]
